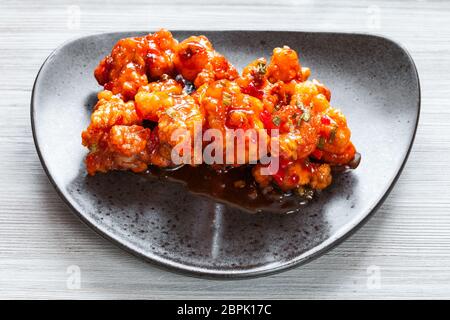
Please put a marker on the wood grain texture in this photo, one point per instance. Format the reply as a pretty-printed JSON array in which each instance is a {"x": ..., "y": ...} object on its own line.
[{"x": 408, "y": 238}]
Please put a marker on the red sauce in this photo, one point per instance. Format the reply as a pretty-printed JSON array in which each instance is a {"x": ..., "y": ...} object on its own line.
[{"x": 221, "y": 187}]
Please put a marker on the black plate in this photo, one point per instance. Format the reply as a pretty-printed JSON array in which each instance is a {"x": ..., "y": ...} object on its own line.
[{"x": 373, "y": 80}]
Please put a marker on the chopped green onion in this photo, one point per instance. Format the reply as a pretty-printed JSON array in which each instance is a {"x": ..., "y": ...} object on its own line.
[
  {"x": 305, "y": 192},
  {"x": 261, "y": 68},
  {"x": 333, "y": 134},
  {"x": 306, "y": 115},
  {"x": 321, "y": 143},
  {"x": 299, "y": 104},
  {"x": 276, "y": 121},
  {"x": 170, "y": 112},
  {"x": 226, "y": 99},
  {"x": 307, "y": 162}
]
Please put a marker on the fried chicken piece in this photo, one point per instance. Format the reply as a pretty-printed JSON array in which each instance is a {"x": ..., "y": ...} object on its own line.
[
  {"x": 177, "y": 126},
  {"x": 334, "y": 128},
  {"x": 197, "y": 61},
  {"x": 297, "y": 128},
  {"x": 217, "y": 68},
  {"x": 274, "y": 84},
  {"x": 122, "y": 148},
  {"x": 165, "y": 103},
  {"x": 161, "y": 154},
  {"x": 114, "y": 137},
  {"x": 228, "y": 109},
  {"x": 156, "y": 97},
  {"x": 299, "y": 143},
  {"x": 184, "y": 113},
  {"x": 124, "y": 70},
  {"x": 322, "y": 89},
  {"x": 334, "y": 146},
  {"x": 111, "y": 110},
  {"x": 253, "y": 79},
  {"x": 133, "y": 61},
  {"x": 284, "y": 65},
  {"x": 307, "y": 124},
  {"x": 160, "y": 54},
  {"x": 303, "y": 93},
  {"x": 295, "y": 174},
  {"x": 320, "y": 176},
  {"x": 192, "y": 55},
  {"x": 276, "y": 95},
  {"x": 343, "y": 158},
  {"x": 302, "y": 113}
]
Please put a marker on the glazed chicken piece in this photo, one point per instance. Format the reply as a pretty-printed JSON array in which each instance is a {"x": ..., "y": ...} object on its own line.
[
  {"x": 276, "y": 95},
  {"x": 297, "y": 129},
  {"x": 253, "y": 80},
  {"x": 302, "y": 113},
  {"x": 268, "y": 82},
  {"x": 197, "y": 61},
  {"x": 115, "y": 138},
  {"x": 177, "y": 126},
  {"x": 135, "y": 61},
  {"x": 110, "y": 110},
  {"x": 164, "y": 102},
  {"x": 154, "y": 98},
  {"x": 308, "y": 127},
  {"x": 227, "y": 109},
  {"x": 284, "y": 65},
  {"x": 334, "y": 144},
  {"x": 296, "y": 123},
  {"x": 124, "y": 70},
  {"x": 160, "y": 54},
  {"x": 217, "y": 68},
  {"x": 295, "y": 174}
]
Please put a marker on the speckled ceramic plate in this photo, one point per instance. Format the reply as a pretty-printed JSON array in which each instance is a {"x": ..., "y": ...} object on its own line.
[{"x": 373, "y": 80}]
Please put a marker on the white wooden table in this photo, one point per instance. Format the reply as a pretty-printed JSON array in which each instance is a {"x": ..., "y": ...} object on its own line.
[{"x": 403, "y": 251}]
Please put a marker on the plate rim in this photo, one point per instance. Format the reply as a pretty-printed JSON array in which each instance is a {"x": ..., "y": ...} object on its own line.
[{"x": 202, "y": 272}]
